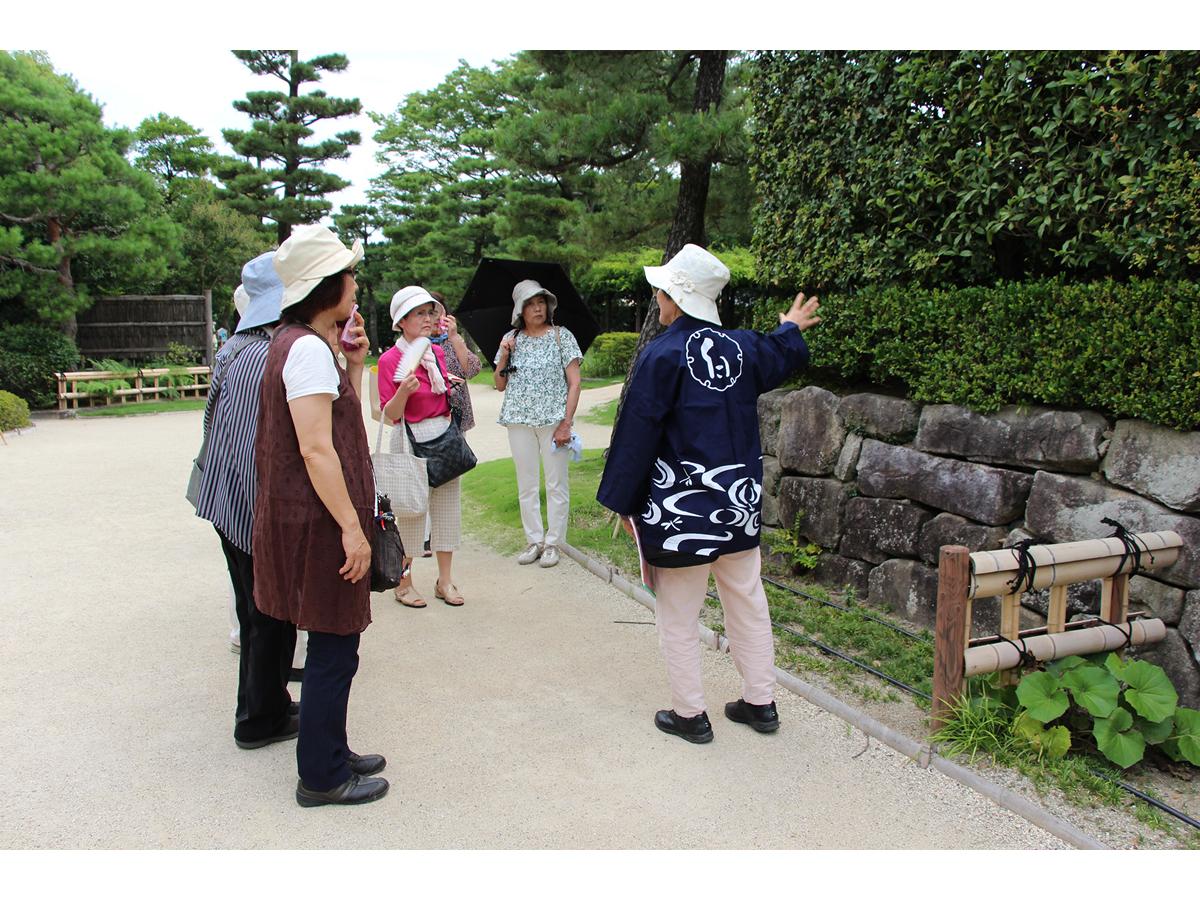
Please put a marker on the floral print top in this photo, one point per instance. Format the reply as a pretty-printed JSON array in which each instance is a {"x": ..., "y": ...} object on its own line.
[{"x": 536, "y": 394}]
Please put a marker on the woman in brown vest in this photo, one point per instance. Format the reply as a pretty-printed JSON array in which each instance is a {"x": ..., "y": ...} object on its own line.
[{"x": 315, "y": 505}]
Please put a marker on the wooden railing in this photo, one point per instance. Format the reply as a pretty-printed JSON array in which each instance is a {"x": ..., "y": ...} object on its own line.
[
  {"x": 964, "y": 577},
  {"x": 146, "y": 384}
]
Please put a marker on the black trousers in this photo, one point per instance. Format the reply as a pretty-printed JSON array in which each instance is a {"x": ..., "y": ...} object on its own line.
[
  {"x": 322, "y": 749},
  {"x": 266, "y": 659}
]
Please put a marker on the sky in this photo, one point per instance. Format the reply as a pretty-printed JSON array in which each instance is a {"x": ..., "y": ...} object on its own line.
[{"x": 379, "y": 78}]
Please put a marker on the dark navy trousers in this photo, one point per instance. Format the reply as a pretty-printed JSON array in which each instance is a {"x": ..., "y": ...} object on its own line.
[{"x": 322, "y": 749}]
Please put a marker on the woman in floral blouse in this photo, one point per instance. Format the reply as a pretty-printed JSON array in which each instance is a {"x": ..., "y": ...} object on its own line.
[{"x": 537, "y": 368}]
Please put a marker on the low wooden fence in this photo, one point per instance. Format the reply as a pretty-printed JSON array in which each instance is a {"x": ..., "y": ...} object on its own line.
[
  {"x": 145, "y": 384},
  {"x": 964, "y": 577}
]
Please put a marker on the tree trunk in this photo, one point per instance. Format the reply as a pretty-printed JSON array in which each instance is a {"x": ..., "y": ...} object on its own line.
[
  {"x": 688, "y": 225},
  {"x": 290, "y": 165}
]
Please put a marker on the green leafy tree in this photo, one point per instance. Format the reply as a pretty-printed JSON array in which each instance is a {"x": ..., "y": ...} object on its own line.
[
  {"x": 76, "y": 219},
  {"x": 216, "y": 239},
  {"x": 360, "y": 223},
  {"x": 278, "y": 176},
  {"x": 172, "y": 151}
]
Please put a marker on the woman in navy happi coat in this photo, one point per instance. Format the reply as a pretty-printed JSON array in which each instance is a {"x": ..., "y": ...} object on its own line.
[{"x": 685, "y": 465}]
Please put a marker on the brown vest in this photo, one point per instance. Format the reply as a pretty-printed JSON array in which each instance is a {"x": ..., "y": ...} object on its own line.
[{"x": 297, "y": 545}]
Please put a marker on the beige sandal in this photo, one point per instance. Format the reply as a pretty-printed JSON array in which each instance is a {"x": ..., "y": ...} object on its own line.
[
  {"x": 451, "y": 598},
  {"x": 410, "y": 591}
]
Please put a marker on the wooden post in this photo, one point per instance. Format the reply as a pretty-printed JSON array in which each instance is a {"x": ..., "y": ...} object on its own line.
[
  {"x": 1010, "y": 627},
  {"x": 954, "y": 576},
  {"x": 208, "y": 331}
]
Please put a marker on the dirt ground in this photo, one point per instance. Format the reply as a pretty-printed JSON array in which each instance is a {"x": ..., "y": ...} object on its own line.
[{"x": 522, "y": 720}]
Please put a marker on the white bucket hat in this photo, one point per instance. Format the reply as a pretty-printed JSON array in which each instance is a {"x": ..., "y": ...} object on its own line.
[
  {"x": 524, "y": 292},
  {"x": 693, "y": 278},
  {"x": 409, "y": 298},
  {"x": 240, "y": 299},
  {"x": 312, "y": 252}
]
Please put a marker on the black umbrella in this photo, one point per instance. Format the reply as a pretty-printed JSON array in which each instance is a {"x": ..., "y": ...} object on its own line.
[{"x": 486, "y": 307}]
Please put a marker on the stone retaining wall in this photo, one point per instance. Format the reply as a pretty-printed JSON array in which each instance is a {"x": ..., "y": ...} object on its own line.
[{"x": 881, "y": 483}]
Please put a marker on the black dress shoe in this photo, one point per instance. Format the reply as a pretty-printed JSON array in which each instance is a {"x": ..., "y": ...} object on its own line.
[
  {"x": 761, "y": 717},
  {"x": 696, "y": 729},
  {"x": 355, "y": 789},
  {"x": 293, "y": 708},
  {"x": 287, "y": 733},
  {"x": 369, "y": 764}
]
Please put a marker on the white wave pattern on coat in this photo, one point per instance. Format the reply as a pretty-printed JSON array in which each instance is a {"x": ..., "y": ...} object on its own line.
[{"x": 738, "y": 505}]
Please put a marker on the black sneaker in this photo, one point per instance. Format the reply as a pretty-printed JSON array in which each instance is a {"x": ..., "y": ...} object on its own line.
[
  {"x": 760, "y": 717},
  {"x": 697, "y": 729}
]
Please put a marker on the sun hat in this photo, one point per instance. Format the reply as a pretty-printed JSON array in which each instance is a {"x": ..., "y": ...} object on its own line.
[
  {"x": 409, "y": 298},
  {"x": 693, "y": 278},
  {"x": 240, "y": 299},
  {"x": 312, "y": 252},
  {"x": 524, "y": 292},
  {"x": 263, "y": 290}
]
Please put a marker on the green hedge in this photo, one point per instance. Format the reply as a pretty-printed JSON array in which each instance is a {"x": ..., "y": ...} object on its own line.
[
  {"x": 610, "y": 354},
  {"x": 14, "y": 412},
  {"x": 30, "y": 354},
  {"x": 1128, "y": 350}
]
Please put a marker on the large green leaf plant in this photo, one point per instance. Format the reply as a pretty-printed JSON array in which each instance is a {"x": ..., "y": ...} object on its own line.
[{"x": 1124, "y": 706}]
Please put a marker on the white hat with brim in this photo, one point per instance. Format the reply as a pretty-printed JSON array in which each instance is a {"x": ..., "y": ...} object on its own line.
[
  {"x": 240, "y": 299},
  {"x": 524, "y": 292},
  {"x": 409, "y": 298},
  {"x": 694, "y": 279},
  {"x": 264, "y": 292},
  {"x": 312, "y": 253}
]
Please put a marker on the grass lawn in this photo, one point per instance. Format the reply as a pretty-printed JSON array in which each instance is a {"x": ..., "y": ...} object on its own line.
[
  {"x": 604, "y": 414},
  {"x": 491, "y": 513},
  {"x": 149, "y": 406}
]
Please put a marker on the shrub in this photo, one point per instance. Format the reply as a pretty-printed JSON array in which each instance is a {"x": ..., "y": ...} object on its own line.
[
  {"x": 14, "y": 412},
  {"x": 30, "y": 354},
  {"x": 179, "y": 355},
  {"x": 610, "y": 354},
  {"x": 1128, "y": 349}
]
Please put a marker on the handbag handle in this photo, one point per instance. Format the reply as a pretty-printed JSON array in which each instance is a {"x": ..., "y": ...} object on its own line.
[{"x": 404, "y": 433}]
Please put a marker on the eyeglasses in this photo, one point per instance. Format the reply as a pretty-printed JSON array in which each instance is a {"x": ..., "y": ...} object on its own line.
[{"x": 426, "y": 313}]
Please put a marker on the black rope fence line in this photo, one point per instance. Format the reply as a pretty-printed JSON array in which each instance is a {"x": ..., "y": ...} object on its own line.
[
  {"x": 825, "y": 648},
  {"x": 858, "y": 612}
]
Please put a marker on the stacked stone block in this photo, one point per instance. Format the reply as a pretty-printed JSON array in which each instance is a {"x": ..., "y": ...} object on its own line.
[{"x": 880, "y": 484}]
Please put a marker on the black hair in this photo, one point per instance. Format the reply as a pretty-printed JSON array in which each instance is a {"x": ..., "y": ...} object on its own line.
[{"x": 326, "y": 295}]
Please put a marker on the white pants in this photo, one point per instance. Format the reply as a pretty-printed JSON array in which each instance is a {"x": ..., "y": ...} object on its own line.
[
  {"x": 679, "y": 597},
  {"x": 528, "y": 444}
]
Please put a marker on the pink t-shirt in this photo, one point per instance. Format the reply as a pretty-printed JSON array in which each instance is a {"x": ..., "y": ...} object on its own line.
[{"x": 424, "y": 404}]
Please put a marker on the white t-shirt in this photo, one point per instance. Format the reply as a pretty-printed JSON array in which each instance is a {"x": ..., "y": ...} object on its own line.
[{"x": 310, "y": 369}]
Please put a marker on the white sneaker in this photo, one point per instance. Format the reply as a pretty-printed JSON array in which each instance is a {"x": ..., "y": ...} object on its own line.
[
  {"x": 530, "y": 554},
  {"x": 549, "y": 557}
]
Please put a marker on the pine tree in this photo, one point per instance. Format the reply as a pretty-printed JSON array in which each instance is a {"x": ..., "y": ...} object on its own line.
[{"x": 278, "y": 177}]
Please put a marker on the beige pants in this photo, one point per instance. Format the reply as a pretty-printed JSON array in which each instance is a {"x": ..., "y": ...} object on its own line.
[
  {"x": 679, "y": 598},
  {"x": 528, "y": 446}
]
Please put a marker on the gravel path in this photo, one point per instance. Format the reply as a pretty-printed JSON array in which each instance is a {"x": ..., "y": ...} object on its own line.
[{"x": 522, "y": 720}]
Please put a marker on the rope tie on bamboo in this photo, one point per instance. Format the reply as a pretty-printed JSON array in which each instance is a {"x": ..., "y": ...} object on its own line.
[
  {"x": 1026, "y": 566},
  {"x": 1025, "y": 659},
  {"x": 1130, "y": 543},
  {"x": 1128, "y": 635}
]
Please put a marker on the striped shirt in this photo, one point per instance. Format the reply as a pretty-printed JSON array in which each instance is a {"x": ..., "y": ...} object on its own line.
[{"x": 229, "y": 484}]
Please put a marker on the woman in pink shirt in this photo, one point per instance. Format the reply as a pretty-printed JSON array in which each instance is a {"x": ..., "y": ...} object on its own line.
[{"x": 421, "y": 398}]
